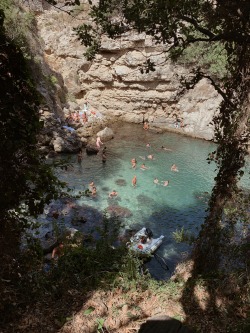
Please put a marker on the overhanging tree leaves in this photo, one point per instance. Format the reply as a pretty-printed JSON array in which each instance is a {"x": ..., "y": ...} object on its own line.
[
  {"x": 27, "y": 183},
  {"x": 177, "y": 24}
]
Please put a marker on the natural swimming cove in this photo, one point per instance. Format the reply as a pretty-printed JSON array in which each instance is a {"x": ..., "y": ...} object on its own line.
[{"x": 163, "y": 209}]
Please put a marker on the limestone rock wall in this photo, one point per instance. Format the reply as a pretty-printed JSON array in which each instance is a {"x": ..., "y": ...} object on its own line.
[{"x": 114, "y": 85}]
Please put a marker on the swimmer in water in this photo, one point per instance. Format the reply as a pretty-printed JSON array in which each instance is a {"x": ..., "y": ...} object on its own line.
[
  {"x": 156, "y": 181},
  {"x": 174, "y": 168},
  {"x": 94, "y": 191},
  {"x": 133, "y": 163},
  {"x": 167, "y": 149},
  {"x": 151, "y": 157},
  {"x": 143, "y": 167},
  {"x": 113, "y": 194},
  {"x": 134, "y": 180}
]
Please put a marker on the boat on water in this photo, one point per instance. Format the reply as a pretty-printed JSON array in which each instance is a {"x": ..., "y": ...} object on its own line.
[{"x": 143, "y": 242}]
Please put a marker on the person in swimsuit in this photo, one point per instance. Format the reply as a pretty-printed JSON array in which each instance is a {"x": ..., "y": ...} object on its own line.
[
  {"x": 174, "y": 168},
  {"x": 133, "y": 163},
  {"x": 113, "y": 194},
  {"x": 134, "y": 180},
  {"x": 143, "y": 167},
  {"x": 156, "y": 181},
  {"x": 98, "y": 142}
]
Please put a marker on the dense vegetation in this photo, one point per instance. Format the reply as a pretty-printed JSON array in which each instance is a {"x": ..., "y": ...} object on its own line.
[{"x": 27, "y": 183}]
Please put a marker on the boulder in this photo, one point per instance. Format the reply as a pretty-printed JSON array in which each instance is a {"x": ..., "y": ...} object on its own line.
[
  {"x": 84, "y": 131},
  {"x": 91, "y": 149},
  {"x": 106, "y": 134},
  {"x": 69, "y": 144}
]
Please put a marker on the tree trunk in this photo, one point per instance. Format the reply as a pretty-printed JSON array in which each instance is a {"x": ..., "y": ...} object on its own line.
[{"x": 233, "y": 138}]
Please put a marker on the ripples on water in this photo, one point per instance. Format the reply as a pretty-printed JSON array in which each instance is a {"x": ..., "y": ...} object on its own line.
[{"x": 162, "y": 209}]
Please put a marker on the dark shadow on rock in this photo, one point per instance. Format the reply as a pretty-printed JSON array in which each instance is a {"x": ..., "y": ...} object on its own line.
[{"x": 163, "y": 324}]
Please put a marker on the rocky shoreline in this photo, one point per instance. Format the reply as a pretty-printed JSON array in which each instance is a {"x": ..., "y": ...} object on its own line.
[
  {"x": 58, "y": 136},
  {"x": 114, "y": 86}
]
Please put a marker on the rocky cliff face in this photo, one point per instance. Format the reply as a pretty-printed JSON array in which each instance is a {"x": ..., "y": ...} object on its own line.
[{"x": 114, "y": 85}]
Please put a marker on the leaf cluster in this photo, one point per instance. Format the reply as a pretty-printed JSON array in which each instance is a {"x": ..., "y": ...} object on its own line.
[
  {"x": 173, "y": 23},
  {"x": 98, "y": 261},
  {"x": 26, "y": 178}
]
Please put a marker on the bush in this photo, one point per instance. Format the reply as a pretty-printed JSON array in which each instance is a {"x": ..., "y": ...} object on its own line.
[{"x": 17, "y": 23}]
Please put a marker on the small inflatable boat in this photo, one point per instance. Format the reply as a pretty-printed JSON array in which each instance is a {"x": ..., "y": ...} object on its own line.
[{"x": 143, "y": 242}]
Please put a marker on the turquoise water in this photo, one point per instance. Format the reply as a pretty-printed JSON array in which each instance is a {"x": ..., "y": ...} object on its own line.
[{"x": 163, "y": 209}]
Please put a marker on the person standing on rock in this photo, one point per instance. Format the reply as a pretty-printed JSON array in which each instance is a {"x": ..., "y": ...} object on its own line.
[
  {"x": 104, "y": 157},
  {"x": 146, "y": 125},
  {"x": 84, "y": 117},
  {"x": 98, "y": 142},
  {"x": 79, "y": 156}
]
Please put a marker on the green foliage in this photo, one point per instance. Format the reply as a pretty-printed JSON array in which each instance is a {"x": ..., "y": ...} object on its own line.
[
  {"x": 94, "y": 264},
  {"x": 212, "y": 58},
  {"x": 183, "y": 236},
  {"x": 89, "y": 310},
  {"x": 29, "y": 182},
  {"x": 53, "y": 79},
  {"x": 84, "y": 265},
  {"x": 100, "y": 323},
  {"x": 17, "y": 23},
  {"x": 87, "y": 36}
]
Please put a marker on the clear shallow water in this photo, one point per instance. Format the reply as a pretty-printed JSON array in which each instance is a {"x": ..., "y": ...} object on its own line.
[{"x": 162, "y": 209}]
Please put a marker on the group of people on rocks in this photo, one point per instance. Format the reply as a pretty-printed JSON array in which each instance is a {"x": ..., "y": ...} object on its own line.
[
  {"x": 77, "y": 117},
  {"x": 82, "y": 116}
]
